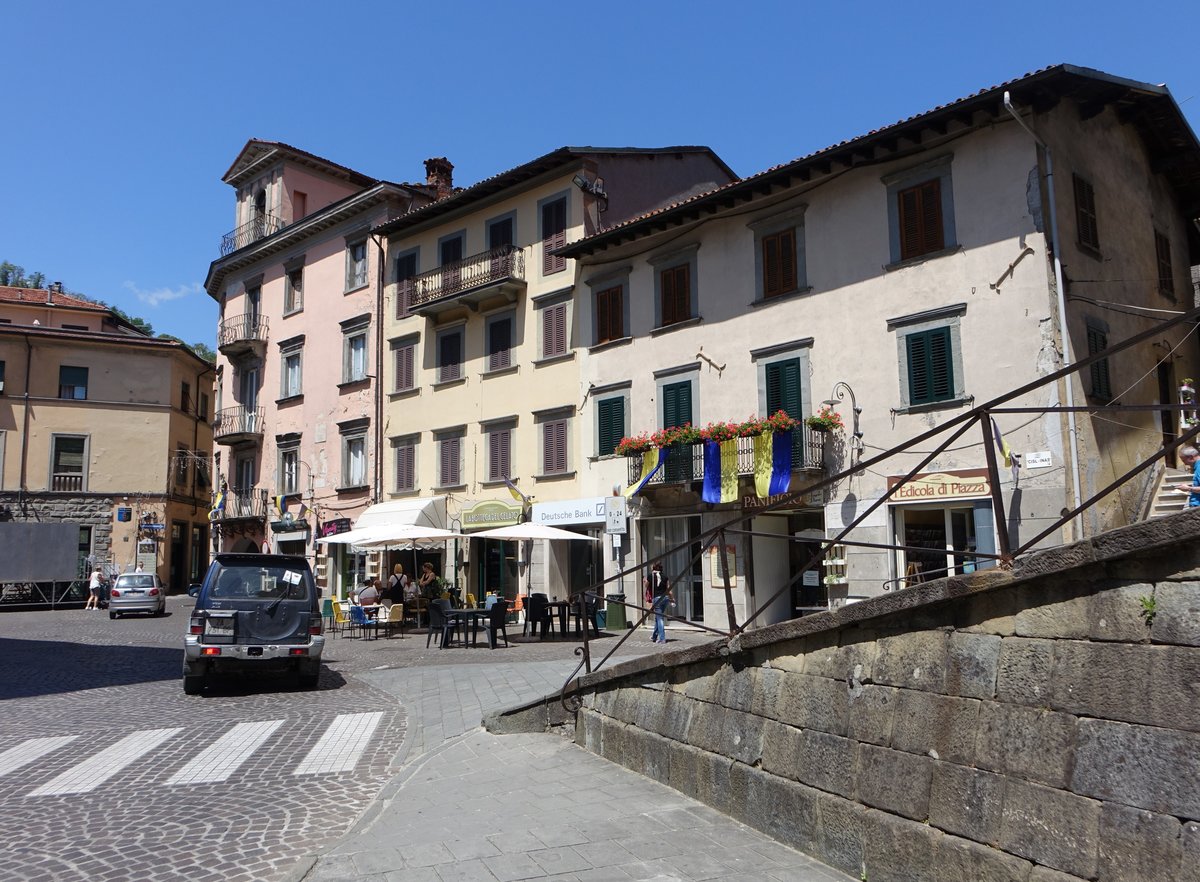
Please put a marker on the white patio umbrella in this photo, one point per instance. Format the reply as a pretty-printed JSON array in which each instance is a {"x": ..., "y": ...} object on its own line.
[{"x": 526, "y": 531}]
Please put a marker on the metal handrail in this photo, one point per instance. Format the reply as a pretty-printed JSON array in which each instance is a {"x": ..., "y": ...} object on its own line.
[
  {"x": 238, "y": 421},
  {"x": 248, "y": 326},
  {"x": 487, "y": 268},
  {"x": 258, "y": 227}
]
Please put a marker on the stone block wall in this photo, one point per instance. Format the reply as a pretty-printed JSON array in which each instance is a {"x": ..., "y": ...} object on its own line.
[{"x": 1031, "y": 725}]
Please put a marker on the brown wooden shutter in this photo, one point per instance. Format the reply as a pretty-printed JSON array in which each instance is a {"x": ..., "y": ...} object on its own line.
[
  {"x": 554, "y": 447},
  {"x": 554, "y": 235},
  {"x": 610, "y": 314},
  {"x": 1085, "y": 214},
  {"x": 554, "y": 330},
  {"x": 404, "y": 369},
  {"x": 920, "y": 210},
  {"x": 405, "y": 461},
  {"x": 676, "y": 294},
  {"x": 779, "y": 263},
  {"x": 448, "y": 468}
]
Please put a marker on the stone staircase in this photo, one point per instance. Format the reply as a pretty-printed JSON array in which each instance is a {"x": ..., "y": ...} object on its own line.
[{"x": 1168, "y": 500}]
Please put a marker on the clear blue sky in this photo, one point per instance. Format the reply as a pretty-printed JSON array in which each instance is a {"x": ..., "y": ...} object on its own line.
[{"x": 123, "y": 116}]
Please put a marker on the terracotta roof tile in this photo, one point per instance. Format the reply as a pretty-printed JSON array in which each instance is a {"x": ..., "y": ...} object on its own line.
[{"x": 42, "y": 297}]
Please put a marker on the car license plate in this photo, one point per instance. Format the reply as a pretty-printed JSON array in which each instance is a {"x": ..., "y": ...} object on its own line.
[
  {"x": 134, "y": 592},
  {"x": 222, "y": 627}
]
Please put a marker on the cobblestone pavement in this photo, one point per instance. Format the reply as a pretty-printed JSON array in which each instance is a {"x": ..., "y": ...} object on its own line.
[{"x": 104, "y": 772}]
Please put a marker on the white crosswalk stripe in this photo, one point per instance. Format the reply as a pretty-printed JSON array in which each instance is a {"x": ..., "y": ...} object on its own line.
[
  {"x": 225, "y": 755},
  {"x": 341, "y": 745},
  {"x": 99, "y": 767},
  {"x": 27, "y": 751}
]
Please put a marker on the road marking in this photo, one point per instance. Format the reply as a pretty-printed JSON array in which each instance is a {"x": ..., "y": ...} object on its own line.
[
  {"x": 225, "y": 755},
  {"x": 26, "y": 752},
  {"x": 342, "y": 744},
  {"x": 99, "y": 767}
]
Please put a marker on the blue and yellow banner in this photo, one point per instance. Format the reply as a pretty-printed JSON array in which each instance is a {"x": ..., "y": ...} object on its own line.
[
  {"x": 720, "y": 471},
  {"x": 772, "y": 463},
  {"x": 218, "y": 506},
  {"x": 652, "y": 461}
]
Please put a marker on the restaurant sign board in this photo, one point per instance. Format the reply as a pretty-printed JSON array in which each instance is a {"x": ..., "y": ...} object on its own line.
[
  {"x": 490, "y": 513},
  {"x": 938, "y": 486}
]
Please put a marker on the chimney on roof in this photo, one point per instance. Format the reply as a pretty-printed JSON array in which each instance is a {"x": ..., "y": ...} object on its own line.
[
  {"x": 439, "y": 174},
  {"x": 56, "y": 287}
]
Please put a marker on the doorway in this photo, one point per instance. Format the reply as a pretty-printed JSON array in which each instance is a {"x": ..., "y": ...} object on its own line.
[
  {"x": 941, "y": 540},
  {"x": 687, "y": 581},
  {"x": 178, "y": 567}
]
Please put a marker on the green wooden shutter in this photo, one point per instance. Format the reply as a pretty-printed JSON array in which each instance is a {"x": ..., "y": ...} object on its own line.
[
  {"x": 783, "y": 393},
  {"x": 610, "y": 413},
  {"x": 930, "y": 366},
  {"x": 677, "y": 411}
]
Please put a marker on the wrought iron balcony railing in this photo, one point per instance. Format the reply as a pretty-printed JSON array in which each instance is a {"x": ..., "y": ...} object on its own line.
[
  {"x": 244, "y": 504},
  {"x": 503, "y": 264},
  {"x": 686, "y": 463},
  {"x": 242, "y": 331},
  {"x": 238, "y": 422},
  {"x": 258, "y": 227}
]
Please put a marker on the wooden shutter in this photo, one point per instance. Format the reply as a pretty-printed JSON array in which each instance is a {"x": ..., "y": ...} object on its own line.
[
  {"x": 499, "y": 344},
  {"x": 677, "y": 404},
  {"x": 779, "y": 263},
  {"x": 676, "y": 294},
  {"x": 448, "y": 466},
  {"x": 920, "y": 210},
  {"x": 404, "y": 369},
  {"x": 500, "y": 233},
  {"x": 554, "y": 235},
  {"x": 499, "y": 454},
  {"x": 610, "y": 314},
  {"x": 554, "y": 447},
  {"x": 554, "y": 330},
  {"x": 1085, "y": 214},
  {"x": 405, "y": 467},
  {"x": 610, "y": 414},
  {"x": 1166, "y": 275},
  {"x": 783, "y": 387},
  {"x": 930, "y": 366},
  {"x": 1097, "y": 341},
  {"x": 406, "y": 268},
  {"x": 450, "y": 357}
]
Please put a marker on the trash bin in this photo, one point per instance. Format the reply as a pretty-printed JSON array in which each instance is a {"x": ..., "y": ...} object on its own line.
[{"x": 615, "y": 612}]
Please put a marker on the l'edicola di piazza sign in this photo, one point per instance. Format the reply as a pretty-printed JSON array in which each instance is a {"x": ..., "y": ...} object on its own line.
[{"x": 936, "y": 486}]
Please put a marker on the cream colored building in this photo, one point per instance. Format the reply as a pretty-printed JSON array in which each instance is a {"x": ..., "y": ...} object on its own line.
[
  {"x": 483, "y": 351},
  {"x": 913, "y": 268},
  {"x": 105, "y": 427}
]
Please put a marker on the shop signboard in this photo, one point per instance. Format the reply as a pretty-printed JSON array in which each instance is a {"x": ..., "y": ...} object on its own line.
[
  {"x": 590, "y": 510},
  {"x": 616, "y": 514},
  {"x": 940, "y": 486},
  {"x": 337, "y": 525},
  {"x": 490, "y": 513}
]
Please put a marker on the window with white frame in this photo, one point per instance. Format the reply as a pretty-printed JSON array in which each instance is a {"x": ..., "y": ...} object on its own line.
[
  {"x": 450, "y": 355},
  {"x": 499, "y": 341},
  {"x": 499, "y": 446},
  {"x": 449, "y": 448},
  {"x": 293, "y": 291},
  {"x": 289, "y": 466},
  {"x": 68, "y": 463},
  {"x": 354, "y": 348},
  {"x": 356, "y": 264},
  {"x": 291, "y": 358},
  {"x": 354, "y": 453},
  {"x": 554, "y": 431},
  {"x": 404, "y": 364},
  {"x": 404, "y": 464}
]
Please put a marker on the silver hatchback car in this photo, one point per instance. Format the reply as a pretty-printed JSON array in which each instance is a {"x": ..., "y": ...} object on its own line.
[{"x": 136, "y": 592}]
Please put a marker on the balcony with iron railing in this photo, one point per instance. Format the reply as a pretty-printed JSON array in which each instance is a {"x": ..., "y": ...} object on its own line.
[
  {"x": 243, "y": 505},
  {"x": 685, "y": 463},
  {"x": 258, "y": 227},
  {"x": 242, "y": 334},
  {"x": 237, "y": 425},
  {"x": 467, "y": 281}
]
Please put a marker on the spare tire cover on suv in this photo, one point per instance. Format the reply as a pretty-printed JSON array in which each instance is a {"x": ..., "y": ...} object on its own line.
[{"x": 273, "y": 597}]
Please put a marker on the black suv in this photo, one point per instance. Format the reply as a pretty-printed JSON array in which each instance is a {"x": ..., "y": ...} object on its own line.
[{"x": 254, "y": 612}]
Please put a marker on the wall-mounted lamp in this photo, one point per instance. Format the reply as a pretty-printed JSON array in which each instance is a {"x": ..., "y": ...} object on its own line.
[
  {"x": 840, "y": 391},
  {"x": 595, "y": 187}
]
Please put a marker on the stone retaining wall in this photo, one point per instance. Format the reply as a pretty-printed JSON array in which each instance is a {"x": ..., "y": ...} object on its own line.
[{"x": 1033, "y": 725}]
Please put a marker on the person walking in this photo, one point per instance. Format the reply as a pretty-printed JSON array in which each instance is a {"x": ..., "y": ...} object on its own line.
[
  {"x": 658, "y": 593},
  {"x": 94, "y": 586},
  {"x": 1191, "y": 458}
]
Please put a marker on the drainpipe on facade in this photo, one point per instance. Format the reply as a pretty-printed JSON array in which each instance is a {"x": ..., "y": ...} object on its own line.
[
  {"x": 25, "y": 430},
  {"x": 196, "y": 431},
  {"x": 378, "y": 385},
  {"x": 1062, "y": 310}
]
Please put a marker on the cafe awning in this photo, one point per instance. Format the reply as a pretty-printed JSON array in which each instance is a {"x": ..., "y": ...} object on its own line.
[{"x": 426, "y": 511}]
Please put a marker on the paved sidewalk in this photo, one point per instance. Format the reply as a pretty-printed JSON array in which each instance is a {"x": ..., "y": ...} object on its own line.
[{"x": 469, "y": 806}]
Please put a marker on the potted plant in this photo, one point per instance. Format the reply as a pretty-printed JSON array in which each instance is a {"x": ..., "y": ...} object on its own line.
[
  {"x": 826, "y": 419},
  {"x": 633, "y": 445}
]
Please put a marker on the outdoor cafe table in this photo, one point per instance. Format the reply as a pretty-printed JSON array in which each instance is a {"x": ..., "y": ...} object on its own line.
[{"x": 472, "y": 614}]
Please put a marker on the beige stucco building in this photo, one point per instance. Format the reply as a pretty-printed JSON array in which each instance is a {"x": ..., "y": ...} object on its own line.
[
  {"x": 484, "y": 353},
  {"x": 106, "y": 428},
  {"x": 913, "y": 268}
]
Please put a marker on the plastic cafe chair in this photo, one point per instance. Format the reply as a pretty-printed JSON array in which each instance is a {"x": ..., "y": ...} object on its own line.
[
  {"x": 443, "y": 622},
  {"x": 539, "y": 615},
  {"x": 471, "y": 601},
  {"x": 327, "y": 613},
  {"x": 341, "y": 619},
  {"x": 496, "y": 623},
  {"x": 359, "y": 619},
  {"x": 395, "y": 619}
]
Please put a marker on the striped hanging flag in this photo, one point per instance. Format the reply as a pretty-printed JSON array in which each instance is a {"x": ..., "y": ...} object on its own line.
[
  {"x": 281, "y": 505},
  {"x": 720, "y": 471},
  {"x": 772, "y": 463},
  {"x": 516, "y": 493},
  {"x": 218, "y": 508},
  {"x": 303, "y": 512},
  {"x": 652, "y": 461},
  {"x": 1011, "y": 460}
]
